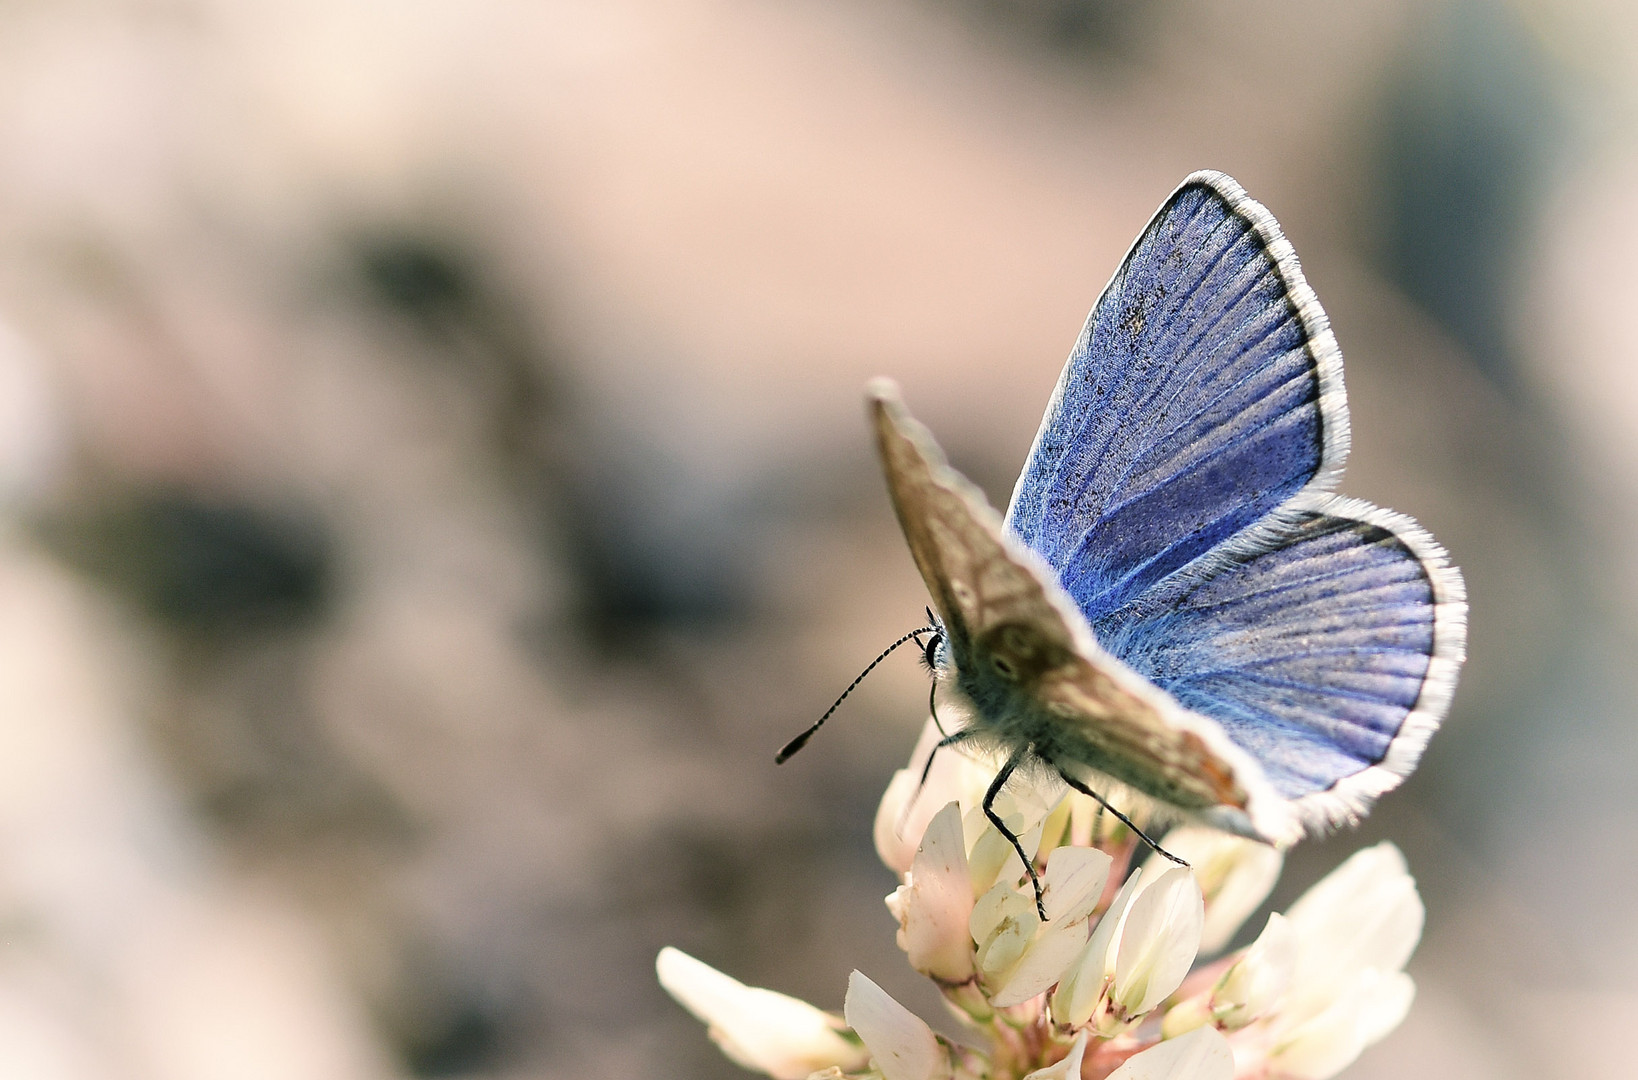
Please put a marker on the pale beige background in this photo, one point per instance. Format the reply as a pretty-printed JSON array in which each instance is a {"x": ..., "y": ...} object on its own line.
[{"x": 591, "y": 527}]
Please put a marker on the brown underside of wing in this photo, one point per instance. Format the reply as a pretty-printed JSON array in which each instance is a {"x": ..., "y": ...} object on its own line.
[
  {"x": 1125, "y": 737},
  {"x": 996, "y": 608}
]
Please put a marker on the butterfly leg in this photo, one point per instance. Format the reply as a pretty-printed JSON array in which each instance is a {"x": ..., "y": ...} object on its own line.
[
  {"x": 949, "y": 740},
  {"x": 1103, "y": 804},
  {"x": 926, "y": 771},
  {"x": 996, "y": 785}
]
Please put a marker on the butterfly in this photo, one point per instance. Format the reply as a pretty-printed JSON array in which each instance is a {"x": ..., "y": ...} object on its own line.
[{"x": 1175, "y": 601}]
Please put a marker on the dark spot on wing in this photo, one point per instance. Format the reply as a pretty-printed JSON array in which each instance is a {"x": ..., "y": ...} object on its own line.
[{"x": 1136, "y": 316}]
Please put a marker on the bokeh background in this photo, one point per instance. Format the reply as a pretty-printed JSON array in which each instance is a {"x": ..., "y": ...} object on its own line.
[{"x": 434, "y": 482}]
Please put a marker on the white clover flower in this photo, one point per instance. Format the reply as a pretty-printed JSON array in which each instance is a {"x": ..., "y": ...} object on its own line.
[
  {"x": 1082, "y": 988},
  {"x": 1353, "y": 932},
  {"x": 1003, "y": 924},
  {"x": 1365, "y": 914},
  {"x": 1251, "y": 986},
  {"x": 1072, "y": 885},
  {"x": 1158, "y": 942},
  {"x": 1100, "y": 985},
  {"x": 1258, "y": 979},
  {"x": 762, "y": 1030}
]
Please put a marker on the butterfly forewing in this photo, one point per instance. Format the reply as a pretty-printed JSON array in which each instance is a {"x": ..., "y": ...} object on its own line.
[
  {"x": 1023, "y": 654},
  {"x": 1203, "y": 393}
]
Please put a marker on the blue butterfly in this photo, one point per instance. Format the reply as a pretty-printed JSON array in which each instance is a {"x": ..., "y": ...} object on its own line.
[{"x": 1175, "y": 602}]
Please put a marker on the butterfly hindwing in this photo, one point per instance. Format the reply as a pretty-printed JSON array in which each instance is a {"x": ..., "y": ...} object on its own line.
[
  {"x": 1204, "y": 392},
  {"x": 1330, "y": 656}
]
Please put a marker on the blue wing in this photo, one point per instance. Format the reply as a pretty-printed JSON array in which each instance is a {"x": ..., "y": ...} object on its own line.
[
  {"x": 1330, "y": 657},
  {"x": 1204, "y": 392}
]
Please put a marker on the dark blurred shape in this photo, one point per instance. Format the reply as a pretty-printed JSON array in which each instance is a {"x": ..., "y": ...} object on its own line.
[
  {"x": 200, "y": 562},
  {"x": 418, "y": 276},
  {"x": 647, "y": 543},
  {"x": 469, "y": 1038},
  {"x": 1472, "y": 127},
  {"x": 1093, "y": 28},
  {"x": 440, "y": 286},
  {"x": 653, "y": 546}
]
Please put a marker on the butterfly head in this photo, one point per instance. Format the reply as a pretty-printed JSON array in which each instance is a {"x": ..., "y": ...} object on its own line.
[{"x": 935, "y": 651}]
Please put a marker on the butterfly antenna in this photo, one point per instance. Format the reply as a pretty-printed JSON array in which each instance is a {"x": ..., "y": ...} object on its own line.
[{"x": 801, "y": 740}]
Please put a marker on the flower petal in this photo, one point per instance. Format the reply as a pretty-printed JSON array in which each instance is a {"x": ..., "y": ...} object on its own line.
[
  {"x": 893, "y": 829},
  {"x": 1365, "y": 914},
  {"x": 935, "y": 905},
  {"x": 1006, "y": 919},
  {"x": 1074, "y": 883},
  {"x": 1082, "y": 985},
  {"x": 1371, "y": 1006},
  {"x": 991, "y": 856},
  {"x": 1385, "y": 1000},
  {"x": 1201, "y": 1054},
  {"x": 760, "y": 1029},
  {"x": 1044, "y": 962},
  {"x": 908, "y": 805},
  {"x": 900, "y": 1042},
  {"x": 1159, "y": 941},
  {"x": 1235, "y": 875}
]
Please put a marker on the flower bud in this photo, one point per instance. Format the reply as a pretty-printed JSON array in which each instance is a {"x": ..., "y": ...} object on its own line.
[
  {"x": 1185, "y": 1016},
  {"x": 1250, "y": 987},
  {"x": 760, "y": 1029}
]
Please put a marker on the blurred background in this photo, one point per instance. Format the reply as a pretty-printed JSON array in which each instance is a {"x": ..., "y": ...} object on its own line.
[{"x": 435, "y": 482}]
